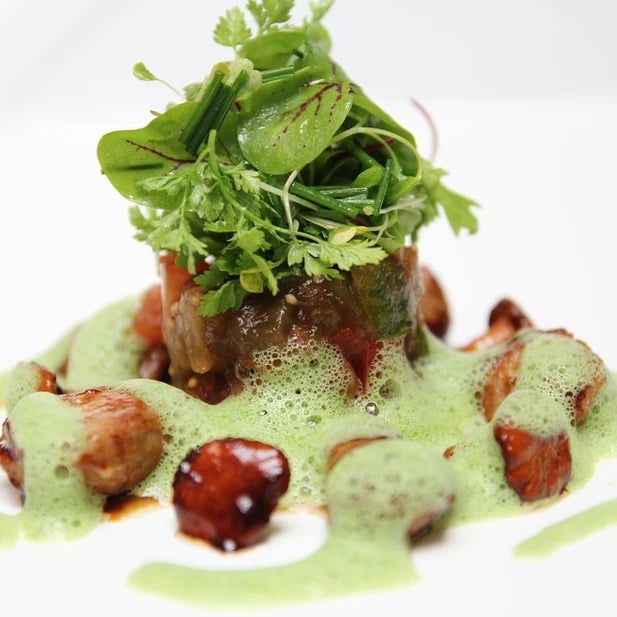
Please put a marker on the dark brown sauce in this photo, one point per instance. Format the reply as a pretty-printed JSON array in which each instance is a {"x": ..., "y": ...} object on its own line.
[{"x": 118, "y": 507}]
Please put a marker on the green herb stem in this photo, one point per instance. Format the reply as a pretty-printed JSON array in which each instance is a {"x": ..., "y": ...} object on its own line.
[
  {"x": 359, "y": 201},
  {"x": 323, "y": 200},
  {"x": 204, "y": 104},
  {"x": 383, "y": 187},
  {"x": 230, "y": 97},
  {"x": 345, "y": 136},
  {"x": 342, "y": 191},
  {"x": 205, "y": 122},
  {"x": 323, "y": 214},
  {"x": 275, "y": 190},
  {"x": 269, "y": 75},
  {"x": 366, "y": 160},
  {"x": 214, "y": 115}
]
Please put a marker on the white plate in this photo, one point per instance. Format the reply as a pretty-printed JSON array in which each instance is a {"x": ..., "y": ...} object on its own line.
[{"x": 525, "y": 99}]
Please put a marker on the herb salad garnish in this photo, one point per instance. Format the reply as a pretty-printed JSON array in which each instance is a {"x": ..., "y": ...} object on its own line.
[{"x": 276, "y": 165}]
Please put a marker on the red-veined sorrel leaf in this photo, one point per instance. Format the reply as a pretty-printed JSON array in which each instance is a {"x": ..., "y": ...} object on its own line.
[
  {"x": 127, "y": 157},
  {"x": 292, "y": 121}
]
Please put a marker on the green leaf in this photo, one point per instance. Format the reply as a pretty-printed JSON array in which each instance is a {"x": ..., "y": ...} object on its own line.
[
  {"x": 265, "y": 269},
  {"x": 228, "y": 202},
  {"x": 252, "y": 281},
  {"x": 273, "y": 49},
  {"x": 400, "y": 188},
  {"x": 246, "y": 180},
  {"x": 231, "y": 29},
  {"x": 457, "y": 207},
  {"x": 295, "y": 254},
  {"x": 381, "y": 118},
  {"x": 319, "y": 9},
  {"x": 144, "y": 225},
  {"x": 192, "y": 90},
  {"x": 369, "y": 177},
  {"x": 290, "y": 125},
  {"x": 229, "y": 297},
  {"x": 258, "y": 12},
  {"x": 270, "y": 12},
  {"x": 352, "y": 254},
  {"x": 227, "y": 263},
  {"x": 407, "y": 159},
  {"x": 342, "y": 235},
  {"x": 141, "y": 72},
  {"x": 278, "y": 10},
  {"x": 129, "y": 157},
  {"x": 409, "y": 220},
  {"x": 213, "y": 277},
  {"x": 252, "y": 240},
  {"x": 308, "y": 255}
]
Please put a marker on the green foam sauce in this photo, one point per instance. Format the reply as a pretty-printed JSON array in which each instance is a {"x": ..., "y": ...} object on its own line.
[
  {"x": 568, "y": 531},
  {"x": 289, "y": 409},
  {"x": 534, "y": 412},
  {"x": 105, "y": 350},
  {"x": 21, "y": 381},
  {"x": 58, "y": 506},
  {"x": 295, "y": 400},
  {"x": 335, "y": 569},
  {"x": 374, "y": 493},
  {"x": 52, "y": 359},
  {"x": 556, "y": 366}
]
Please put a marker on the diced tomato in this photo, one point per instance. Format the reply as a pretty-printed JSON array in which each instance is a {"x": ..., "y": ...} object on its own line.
[
  {"x": 173, "y": 279},
  {"x": 147, "y": 322},
  {"x": 357, "y": 349}
]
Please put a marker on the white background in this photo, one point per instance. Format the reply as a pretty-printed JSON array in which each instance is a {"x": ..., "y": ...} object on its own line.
[{"x": 525, "y": 99}]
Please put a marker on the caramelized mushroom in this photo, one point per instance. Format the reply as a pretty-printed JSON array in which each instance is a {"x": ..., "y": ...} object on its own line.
[
  {"x": 226, "y": 490},
  {"x": 39, "y": 379},
  {"x": 536, "y": 466},
  {"x": 344, "y": 448},
  {"x": 11, "y": 457},
  {"x": 502, "y": 378},
  {"x": 433, "y": 305},
  {"x": 505, "y": 320},
  {"x": 124, "y": 441},
  {"x": 423, "y": 523}
]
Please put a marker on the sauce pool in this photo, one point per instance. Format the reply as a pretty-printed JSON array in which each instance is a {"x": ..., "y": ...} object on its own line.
[{"x": 296, "y": 401}]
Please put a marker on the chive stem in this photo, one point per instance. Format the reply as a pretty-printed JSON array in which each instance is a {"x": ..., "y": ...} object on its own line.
[
  {"x": 365, "y": 159},
  {"x": 323, "y": 200},
  {"x": 201, "y": 109},
  {"x": 359, "y": 201},
  {"x": 342, "y": 191},
  {"x": 269, "y": 75},
  {"x": 216, "y": 112},
  {"x": 205, "y": 122},
  {"x": 230, "y": 97},
  {"x": 329, "y": 214},
  {"x": 383, "y": 186}
]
